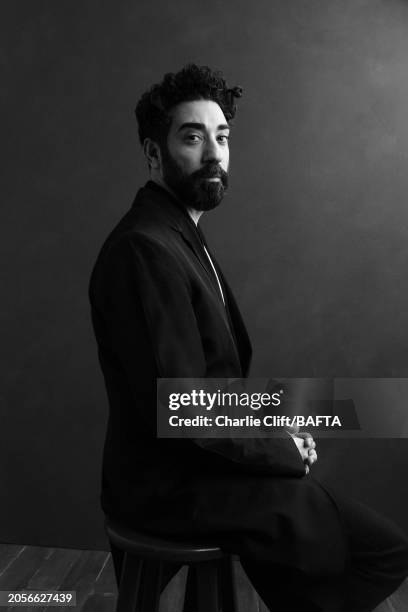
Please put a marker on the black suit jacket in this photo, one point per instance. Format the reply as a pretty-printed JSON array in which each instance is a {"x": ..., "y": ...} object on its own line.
[{"x": 157, "y": 312}]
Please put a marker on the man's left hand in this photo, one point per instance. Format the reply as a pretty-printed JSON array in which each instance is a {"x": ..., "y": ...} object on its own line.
[{"x": 309, "y": 445}]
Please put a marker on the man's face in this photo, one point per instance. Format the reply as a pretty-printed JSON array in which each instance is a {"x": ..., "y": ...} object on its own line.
[{"x": 195, "y": 161}]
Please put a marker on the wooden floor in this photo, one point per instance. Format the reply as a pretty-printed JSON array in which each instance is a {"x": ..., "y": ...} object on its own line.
[{"x": 90, "y": 574}]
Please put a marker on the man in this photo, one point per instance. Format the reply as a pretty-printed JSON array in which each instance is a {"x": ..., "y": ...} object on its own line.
[{"x": 162, "y": 308}]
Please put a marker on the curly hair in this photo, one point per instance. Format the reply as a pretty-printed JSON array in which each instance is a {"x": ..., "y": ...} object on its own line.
[{"x": 191, "y": 83}]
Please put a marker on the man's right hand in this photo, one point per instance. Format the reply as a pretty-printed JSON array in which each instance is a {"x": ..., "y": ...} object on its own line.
[{"x": 306, "y": 447}]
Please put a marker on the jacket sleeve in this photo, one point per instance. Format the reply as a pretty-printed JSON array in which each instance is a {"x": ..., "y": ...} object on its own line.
[{"x": 152, "y": 325}]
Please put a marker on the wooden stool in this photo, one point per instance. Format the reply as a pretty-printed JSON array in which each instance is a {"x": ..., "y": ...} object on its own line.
[{"x": 210, "y": 583}]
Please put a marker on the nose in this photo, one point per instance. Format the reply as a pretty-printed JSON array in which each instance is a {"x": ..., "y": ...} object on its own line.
[{"x": 212, "y": 151}]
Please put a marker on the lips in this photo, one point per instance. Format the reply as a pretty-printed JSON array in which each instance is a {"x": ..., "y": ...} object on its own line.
[
  {"x": 214, "y": 172},
  {"x": 211, "y": 176}
]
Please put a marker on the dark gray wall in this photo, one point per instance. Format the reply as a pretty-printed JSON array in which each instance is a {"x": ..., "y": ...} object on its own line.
[{"x": 313, "y": 235}]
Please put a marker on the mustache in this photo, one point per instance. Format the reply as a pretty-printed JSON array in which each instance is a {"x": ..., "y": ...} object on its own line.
[{"x": 210, "y": 171}]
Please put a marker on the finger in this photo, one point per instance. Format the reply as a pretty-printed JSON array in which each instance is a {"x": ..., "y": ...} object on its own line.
[
  {"x": 304, "y": 435},
  {"x": 307, "y": 439},
  {"x": 302, "y": 448},
  {"x": 312, "y": 458},
  {"x": 307, "y": 469}
]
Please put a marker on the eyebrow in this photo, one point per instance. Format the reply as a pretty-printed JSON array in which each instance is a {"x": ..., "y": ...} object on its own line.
[{"x": 201, "y": 126}]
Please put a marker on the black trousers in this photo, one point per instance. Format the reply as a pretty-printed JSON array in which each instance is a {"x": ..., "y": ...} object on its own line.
[{"x": 377, "y": 564}]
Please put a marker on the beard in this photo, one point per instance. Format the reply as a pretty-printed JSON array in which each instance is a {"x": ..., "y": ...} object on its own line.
[{"x": 193, "y": 190}]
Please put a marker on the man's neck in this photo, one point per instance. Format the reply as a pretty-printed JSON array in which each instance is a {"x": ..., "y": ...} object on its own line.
[{"x": 194, "y": 214}]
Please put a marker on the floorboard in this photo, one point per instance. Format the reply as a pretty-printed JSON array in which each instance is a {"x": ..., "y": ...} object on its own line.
[
  {"x": 91, "y": 575},
  {"x": 83, "y": 574},
  {"x": 98, "y": 602},
  {"x": 53, "y": 569},
  {"x": 17, "y": 574},
  {"x": 8, "y": 554}
]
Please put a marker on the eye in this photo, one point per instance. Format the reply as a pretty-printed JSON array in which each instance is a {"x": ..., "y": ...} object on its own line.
[
  {"x": 193, "y": 138},
  {"x": 223, "y": 138}
]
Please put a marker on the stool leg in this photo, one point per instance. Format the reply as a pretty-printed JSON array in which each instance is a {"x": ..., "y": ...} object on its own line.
[
  {"x": 228, "y": 585},
  {"x": 207, "y": 587},
  {"x": 190, "y": 596},
  {"x": 129, "y": 584},
  {"x": 150, "y": 587},
  {"x": 118, "y": 556}
]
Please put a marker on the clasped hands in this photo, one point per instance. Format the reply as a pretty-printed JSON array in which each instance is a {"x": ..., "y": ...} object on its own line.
[{"x": 306, "y": 446}]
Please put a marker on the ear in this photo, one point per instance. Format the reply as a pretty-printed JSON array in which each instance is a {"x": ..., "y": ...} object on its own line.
[{"x": 152, "y": 153}]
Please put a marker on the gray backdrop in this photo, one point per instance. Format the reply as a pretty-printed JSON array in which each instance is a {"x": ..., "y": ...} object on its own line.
[{"x": 313, "y": 235}]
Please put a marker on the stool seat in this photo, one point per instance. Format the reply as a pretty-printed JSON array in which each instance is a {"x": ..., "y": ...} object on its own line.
[
  {"x": 149, "y": 547},
  {"x": 144, "y": 564}
]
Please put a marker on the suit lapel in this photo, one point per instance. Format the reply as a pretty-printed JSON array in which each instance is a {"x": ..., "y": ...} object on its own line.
[
  {"x": 193, "y": 241},
  {"x": 173, "y": 214},
  {"x": 236, "y": 324},
  {"x": 224, "y": 310}
]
